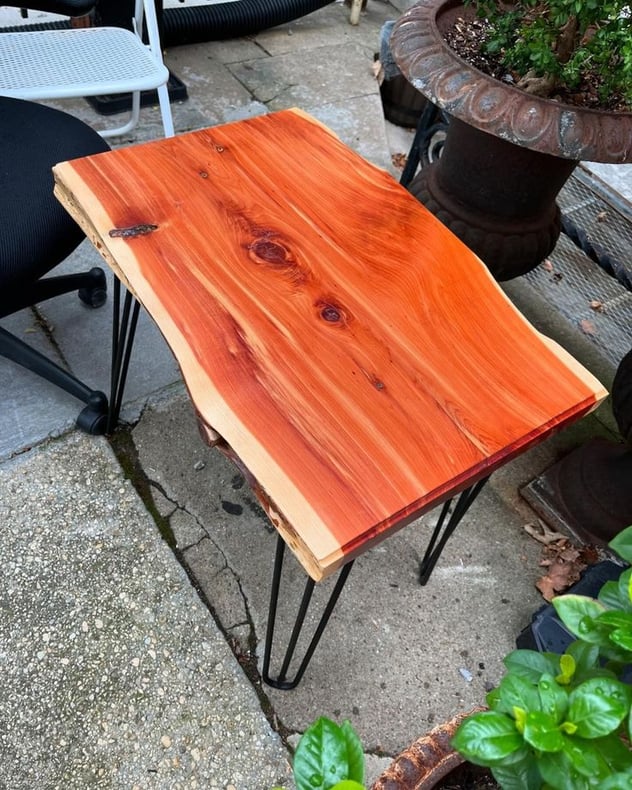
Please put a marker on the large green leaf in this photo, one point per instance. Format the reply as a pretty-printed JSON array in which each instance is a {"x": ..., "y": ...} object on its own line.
[
  {"x": 577, "y": 613},
  {"x": 355, "y": 753},
  {"x": 558, "y": 772},
  {"x": 598, "y": 706},
  {"x": 618, "y": 781},
  {"x": 612, "y": 596},
  {"x": 586, "y": 757},
  {"x": 615, "y": 752},
  {"x": 515, "y": 691},
  {"x": 531, "y": 665},
  {"x": 622, "y": 639},
  {"x": 625, "y": 585},
  {"x": 520, "y": 775},
  {"x": 553, "y": 698},
  {"x": 542, "y": 732},
  {"x": 622, "y": 544},
  {"x": 487, "y": 738},
  {"x": 615, "y": 619},
  {"x": 325, "y": 756},
  {"x": 586, "y": 658}
]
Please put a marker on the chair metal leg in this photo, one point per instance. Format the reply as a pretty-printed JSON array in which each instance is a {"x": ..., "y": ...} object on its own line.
[
  {"x": 123, "y": 332},
  {"x": 443, "y": 531},
  {"x": 281, "y": 681},
  {"x": 165, "y": 110},
  {"x": 431, "y": 121},
  {"x": 91, "y": 419}
]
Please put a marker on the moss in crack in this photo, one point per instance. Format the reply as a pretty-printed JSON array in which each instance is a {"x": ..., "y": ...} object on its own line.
[
  {"x": 124, "y": 448},
  {"x": 122, "y": 444}
]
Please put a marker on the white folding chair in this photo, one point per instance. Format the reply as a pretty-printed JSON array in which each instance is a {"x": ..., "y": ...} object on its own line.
[{"x": 90, "y": 61}]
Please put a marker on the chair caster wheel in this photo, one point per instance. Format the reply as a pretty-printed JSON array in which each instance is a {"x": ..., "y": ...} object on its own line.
[
  {"x": 93, "y": 418},
  {"x": 95, "y": 295},
  {"x": 92, "y": 422}
]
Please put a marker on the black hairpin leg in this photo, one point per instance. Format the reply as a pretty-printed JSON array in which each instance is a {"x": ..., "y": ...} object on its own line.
[
  {"x": 280, "y": 681},
  {"x": 123, "y": 331},
  {"x": 443, "y": 531}
]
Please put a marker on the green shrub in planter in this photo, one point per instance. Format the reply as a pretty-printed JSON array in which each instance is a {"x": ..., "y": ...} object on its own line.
[
  {"x": 562, "y": 44},
  {"x": 565, "y": 721}
]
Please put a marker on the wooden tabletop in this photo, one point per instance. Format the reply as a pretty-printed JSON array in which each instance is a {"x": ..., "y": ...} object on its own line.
[{"x": 355, "y": 356}]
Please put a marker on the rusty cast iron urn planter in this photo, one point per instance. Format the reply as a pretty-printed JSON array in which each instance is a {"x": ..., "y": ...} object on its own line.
[
  {"x": 507, "y": 153},
  {"x": 427, "y": 761}
]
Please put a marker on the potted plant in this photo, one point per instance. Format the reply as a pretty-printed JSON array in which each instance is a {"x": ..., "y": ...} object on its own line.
[
  {"x": 556, "y": 89},
  {"x": 329, "y": 756},
  {"x": 562, "y": 722},
  {"x": 555, "y": 721}
]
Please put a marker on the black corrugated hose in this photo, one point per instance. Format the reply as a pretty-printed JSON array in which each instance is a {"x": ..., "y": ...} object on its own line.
[{"x": 195, "y": 24}]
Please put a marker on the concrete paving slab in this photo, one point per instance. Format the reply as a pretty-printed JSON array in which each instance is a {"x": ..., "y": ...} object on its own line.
[
  {"x": 293, "y": 80},
  {"x": 358, "y": 123},
  {"x": 32, "y": 409},
  {"x": 114, "y": 674},
  {"x": 396, "y": 657},
  {"x": 211, "y": 86},
  {"x": 329, "y": 26}
]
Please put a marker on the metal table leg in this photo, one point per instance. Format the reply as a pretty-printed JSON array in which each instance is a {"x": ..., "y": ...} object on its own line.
[
  {"x": 281, "y": 681},
  {"x": 123, "y": 331},
  {"x": 443, "y": 531}
]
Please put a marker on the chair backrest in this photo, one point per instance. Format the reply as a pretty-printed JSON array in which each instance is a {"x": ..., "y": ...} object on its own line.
[{"x": 145, "y": 11}]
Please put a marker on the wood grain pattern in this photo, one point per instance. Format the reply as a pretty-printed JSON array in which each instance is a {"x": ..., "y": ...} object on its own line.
[{"x": 355, "y": 356}]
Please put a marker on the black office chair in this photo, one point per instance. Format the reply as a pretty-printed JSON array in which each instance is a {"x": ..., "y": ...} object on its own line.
[{"x": 37, "y": 234}]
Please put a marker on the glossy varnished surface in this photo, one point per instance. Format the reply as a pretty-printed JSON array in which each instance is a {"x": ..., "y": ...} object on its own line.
[{"x": 354, "y": 355}]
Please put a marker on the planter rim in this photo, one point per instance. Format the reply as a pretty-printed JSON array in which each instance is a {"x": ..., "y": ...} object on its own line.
[
  {"x": 427, "y": 760},
  {"x": 544, "y": 125}
]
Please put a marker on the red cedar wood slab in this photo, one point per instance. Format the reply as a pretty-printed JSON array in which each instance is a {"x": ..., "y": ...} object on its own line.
[{"x": 354, "y": 355}]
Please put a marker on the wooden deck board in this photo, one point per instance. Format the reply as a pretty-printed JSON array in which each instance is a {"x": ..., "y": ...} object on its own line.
[{"x": 356, "y": 357}]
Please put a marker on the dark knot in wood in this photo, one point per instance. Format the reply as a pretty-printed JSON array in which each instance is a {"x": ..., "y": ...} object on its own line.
[
  {"x": 271, "y": 252},
  {"x": 330, "y": 313}
]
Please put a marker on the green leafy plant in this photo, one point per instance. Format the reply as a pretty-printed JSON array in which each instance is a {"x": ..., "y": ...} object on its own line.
[
  {"x": 329, "y": 757},
  {"x": 565, "y": 721},
  {"x": 563, "y": 44}
]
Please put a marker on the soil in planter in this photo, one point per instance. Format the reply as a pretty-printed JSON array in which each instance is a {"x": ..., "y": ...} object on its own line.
[
  {"x": 466, "y": 38},
  {"x": 468, "y": 777}
]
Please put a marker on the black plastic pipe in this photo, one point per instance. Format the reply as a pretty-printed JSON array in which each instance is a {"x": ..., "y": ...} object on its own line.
[{"x": 196, "y": 24}]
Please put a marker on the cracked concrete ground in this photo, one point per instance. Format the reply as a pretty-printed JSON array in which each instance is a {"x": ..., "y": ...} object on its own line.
[{"x": 395, "y": 658}]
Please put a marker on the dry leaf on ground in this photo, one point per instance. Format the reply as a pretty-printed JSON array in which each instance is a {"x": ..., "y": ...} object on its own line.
[
  {"x": 563, "y": 560},
  {"x": 399, "y": 161}
]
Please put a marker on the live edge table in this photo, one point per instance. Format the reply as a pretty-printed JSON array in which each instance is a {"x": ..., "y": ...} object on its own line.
[{"x": 353, "y": 357}]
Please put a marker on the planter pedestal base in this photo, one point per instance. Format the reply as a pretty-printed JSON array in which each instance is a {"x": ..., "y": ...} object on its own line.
[
  {"x": 588, "y": 492},
  {"x": 512, "y": 224}
]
